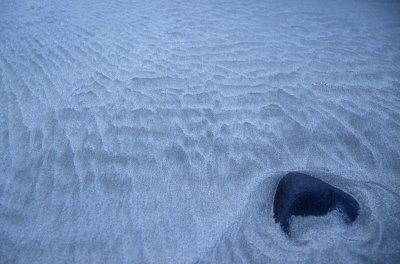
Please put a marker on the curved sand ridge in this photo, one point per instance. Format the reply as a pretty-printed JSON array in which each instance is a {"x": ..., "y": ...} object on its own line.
[
  {"x": 255, "y": 238},
  {"x": 155, "y": 132}
]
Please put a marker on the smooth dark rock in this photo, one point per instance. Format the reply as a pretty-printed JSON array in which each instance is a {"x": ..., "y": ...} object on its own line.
[{"x": 301, "y": 195}]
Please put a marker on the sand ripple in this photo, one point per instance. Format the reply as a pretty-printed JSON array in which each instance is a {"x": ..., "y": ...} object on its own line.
[{"x": 155, "y": 131}]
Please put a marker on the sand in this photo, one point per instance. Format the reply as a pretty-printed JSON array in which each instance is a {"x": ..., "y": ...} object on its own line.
[{"x": 157, "y": 131}]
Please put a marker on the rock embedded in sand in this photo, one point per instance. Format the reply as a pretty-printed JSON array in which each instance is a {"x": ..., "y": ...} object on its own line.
[{"x": 299, "y": 194}]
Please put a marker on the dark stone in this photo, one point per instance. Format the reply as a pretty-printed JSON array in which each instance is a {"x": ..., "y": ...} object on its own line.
[{"x": 300, "y": 194}]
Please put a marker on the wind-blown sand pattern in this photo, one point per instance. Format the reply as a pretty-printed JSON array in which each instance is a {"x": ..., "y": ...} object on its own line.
[{"x": 157, "y": 131}]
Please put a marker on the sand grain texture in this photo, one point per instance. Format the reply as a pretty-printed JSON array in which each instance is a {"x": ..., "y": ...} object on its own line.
[{"x": 156, "y": 131}]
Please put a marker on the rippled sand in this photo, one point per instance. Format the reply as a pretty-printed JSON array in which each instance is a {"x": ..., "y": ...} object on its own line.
[{"x": 157, "y": 131}]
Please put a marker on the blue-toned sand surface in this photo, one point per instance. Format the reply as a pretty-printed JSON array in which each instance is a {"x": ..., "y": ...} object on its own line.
[{"x": 157, "y": 131}]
